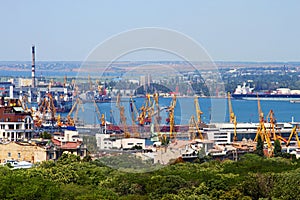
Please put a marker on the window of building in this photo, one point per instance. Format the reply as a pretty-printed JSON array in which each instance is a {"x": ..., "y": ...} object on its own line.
[
  {"x": 8, "y": 134},
  {"x": 3, "y": 134},
  {"x": 8, "y": 154},
  {"x": 19, "y": 155},
  {"x": 11, "y": 126},
  {"x": 130, "y": 143}
]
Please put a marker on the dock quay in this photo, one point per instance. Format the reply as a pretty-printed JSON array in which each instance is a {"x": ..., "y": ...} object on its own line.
[{"x": 144, "y": 132}]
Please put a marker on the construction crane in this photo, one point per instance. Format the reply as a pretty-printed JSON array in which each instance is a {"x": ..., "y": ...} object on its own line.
[
  {"x": 232, "y": 117},
  {"x": 122, "y": 116},
  {"x": 192, "y": 125},
  {"x": 294, "y": 133}
]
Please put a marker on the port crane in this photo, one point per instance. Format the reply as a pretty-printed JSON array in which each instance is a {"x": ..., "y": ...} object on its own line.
[
  {"x": 46, "y": 107},
  {"x": 146, "y": 112},
  {"x": 272, "y": 130},
  {"x": 101, "y": 118},
  {"x": 77, "y": 105},
  {"x": 65, "y": 81},
  {"x": 198, "y": 110},
  {"x": 51, "y": 107},
  {"x": 171, "y": 119},
  {"x": 261, "y": 129},
  {"x": 294, "y": 132},
  {"x": 58, "y": 120},
  {"x": 133, "y": 110},
  {"x": 149, "y": 109},
  {"x": 157, "y": 118},
  {"x": 232, "y": 117},
  {"x": 192, "y": 125},
  {"x": 122, "y": 116}
]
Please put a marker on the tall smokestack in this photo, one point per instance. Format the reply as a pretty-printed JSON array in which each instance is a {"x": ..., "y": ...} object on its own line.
[{"x": 33, "y": 68}]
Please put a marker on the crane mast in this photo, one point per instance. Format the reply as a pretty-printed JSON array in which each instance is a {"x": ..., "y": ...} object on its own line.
[
  {"x": 198, "y": 110},
  {"x": 232, "y": 117},
  {"x": 260, "y": 113},
  {"x": 157, "y": 117},
  {"x": 101, "y": 118},
  {"x": 192, "y": 125},
  {"x": 122, "y": 116},
  {"x": 171, "y": 117},
  {"x": 272, "y": 120},
  {"x": 261, "y": 129},
  {"x": 132, "y": 110},
  {"x": 77, "y": 105}
]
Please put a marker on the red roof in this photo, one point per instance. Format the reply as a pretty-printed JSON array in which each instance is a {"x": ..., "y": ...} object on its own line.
[{"x": 66, "y": 145}]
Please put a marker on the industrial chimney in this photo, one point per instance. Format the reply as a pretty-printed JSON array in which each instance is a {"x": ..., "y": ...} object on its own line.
[{"x": 33, "y": 68}]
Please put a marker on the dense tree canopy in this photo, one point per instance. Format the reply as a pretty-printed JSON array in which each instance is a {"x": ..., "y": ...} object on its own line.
[{"x": 252, "y": 177}]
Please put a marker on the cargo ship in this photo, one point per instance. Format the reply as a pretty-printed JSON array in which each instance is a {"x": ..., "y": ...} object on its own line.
[{"x": 245, "y": 92}]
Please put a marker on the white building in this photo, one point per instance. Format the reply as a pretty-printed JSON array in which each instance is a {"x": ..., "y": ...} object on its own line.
[
  {"x": 15, "y": 123},
  {"x": 217, "y": 135},
  {"x": 105, "y": 141},
  {"x": 68, "y": 136}
]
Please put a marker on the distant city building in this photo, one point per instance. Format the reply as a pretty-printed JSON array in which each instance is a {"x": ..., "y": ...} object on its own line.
[
  {"x": 24, "y": 82},
  {"x": 134, "y": 81},
  {"x": 145, "y": 81}
]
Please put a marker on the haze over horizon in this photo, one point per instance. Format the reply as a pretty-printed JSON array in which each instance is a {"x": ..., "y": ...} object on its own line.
[{"x": 263, "y": 31}]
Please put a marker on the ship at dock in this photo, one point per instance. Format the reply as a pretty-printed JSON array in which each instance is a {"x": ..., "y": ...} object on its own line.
[{"x": 246, "y": 92}]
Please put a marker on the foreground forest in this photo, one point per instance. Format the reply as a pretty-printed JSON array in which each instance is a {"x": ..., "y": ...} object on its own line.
[{"x": 252, "y": 177}]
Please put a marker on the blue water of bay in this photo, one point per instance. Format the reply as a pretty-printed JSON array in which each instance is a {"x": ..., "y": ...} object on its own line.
[{"x": 214, "y": 110}]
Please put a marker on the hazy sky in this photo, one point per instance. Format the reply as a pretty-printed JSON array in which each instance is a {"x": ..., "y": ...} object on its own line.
[{"x": 253, "y": 30}]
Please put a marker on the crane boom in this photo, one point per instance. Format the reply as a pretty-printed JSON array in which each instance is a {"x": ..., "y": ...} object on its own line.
[{"x": 294, "y": 133}]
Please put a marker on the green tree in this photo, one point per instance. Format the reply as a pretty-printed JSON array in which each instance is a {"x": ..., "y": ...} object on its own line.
[
  {"x": 277, "y": 148},
  {"x": 45, "y": 135},
  {"x": 259, "y": 146}
]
